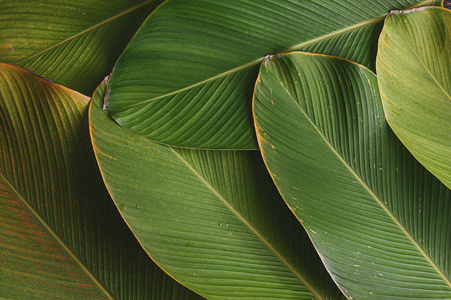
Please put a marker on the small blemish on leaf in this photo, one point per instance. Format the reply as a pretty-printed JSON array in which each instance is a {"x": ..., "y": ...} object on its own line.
[
  {"x": 402, "y": 12},
  {"x": 9, "y": 46}
]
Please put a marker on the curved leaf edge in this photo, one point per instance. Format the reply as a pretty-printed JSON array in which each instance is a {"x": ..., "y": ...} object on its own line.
[
  {"x": 403, "y": 229},
  {"x": 260, "y": 60},
  {"x": 249, "y": 64},
  {"x": 389, "y": 120},
  {"x": 33, "y": 211},
  {"x": 48, "y": 81},
  {"x": 101, "y": 89},
  {"x": 89, "y": 29},
  {"x": 265, "y": 160}
]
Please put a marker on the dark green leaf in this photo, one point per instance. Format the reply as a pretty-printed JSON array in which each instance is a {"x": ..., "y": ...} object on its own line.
[
  {"x": 187, "y": 77},
  {"x": 212, "y": 219},
  {"x": 73, "y": 43},
  {"x": 379, "y": 220},
  {"x": 60, "y": 235}
]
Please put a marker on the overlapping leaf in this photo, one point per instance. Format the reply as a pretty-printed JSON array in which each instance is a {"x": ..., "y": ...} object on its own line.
[
  {"x": 379, "y": 220},
  {"x": 414, "y": 67},
  {"x": 71, "y": 43},
  {"x": 186, "y": 79},
  {"x": 60, "y": 234},
  {"x": 212, "y": 219}
]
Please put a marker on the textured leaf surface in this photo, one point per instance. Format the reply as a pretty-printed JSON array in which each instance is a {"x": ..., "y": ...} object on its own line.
[
  {"x": 72, "y": 43},
  {"x": 61, "y": 236},
  {"x": 187, "y": 77},
  {"x": 414, "y": 67},
  {"x": 212, "y": 219},
  {"x": 378, "y": 219}
]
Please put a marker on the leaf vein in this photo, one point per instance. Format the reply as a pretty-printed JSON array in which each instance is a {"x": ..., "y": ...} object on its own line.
[{"x": 242, "y": 219}]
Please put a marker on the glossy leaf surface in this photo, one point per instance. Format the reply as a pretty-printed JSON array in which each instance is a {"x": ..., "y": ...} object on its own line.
[
  {"x": 60, "y": 235},
  {"x": 72, "y": 43},
  {"x": 414, "y": 67},
  {"x": 379, "y": 220},
  {"x": 212, "y": 219},
  {"x": 187, "y": 77}
]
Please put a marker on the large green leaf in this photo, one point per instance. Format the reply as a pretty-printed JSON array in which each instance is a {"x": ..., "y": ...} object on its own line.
[
  {"x": 73, "y": 43},
  {"x": 212, "y": 219},
  {"x": 61, "y": 236},
  {"x": 187, "y": 77},
  {"x": 414, "y": 73},
  {"x": 380, "y": 221}
]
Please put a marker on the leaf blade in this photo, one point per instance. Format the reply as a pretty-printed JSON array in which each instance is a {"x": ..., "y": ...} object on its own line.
[
  {"x": 320, "y": 130},
  {"x": 230, "y": 43},
  {"x": 417, "y": 104},
  {"x": 86, "y": 38},
  {"x": 54, "y": 204},
  {"x": 200, "y": 215},
  {"x": 43, "y": 258}
]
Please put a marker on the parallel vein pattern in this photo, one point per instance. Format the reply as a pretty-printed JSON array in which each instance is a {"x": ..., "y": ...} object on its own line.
[
  {"x": 212, "y": 219},
  {"x": 379, "y": 220},
  {"x": 206, "y": 56},
  {"x": 22, "y": 235},
  {"x": 414, "y": 66},
  {"x": 60, "y": 235},
  {"x": 73, "y": 44}
]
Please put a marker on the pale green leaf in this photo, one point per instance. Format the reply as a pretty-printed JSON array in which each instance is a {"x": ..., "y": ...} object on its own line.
[
  {"x": 187, "y": 77},
  {"x": 414, "y": 74},
  {"x": 211, "y": 219},
  {"x": 61, "y": 236},
  {"x": 379, "y": 220}
]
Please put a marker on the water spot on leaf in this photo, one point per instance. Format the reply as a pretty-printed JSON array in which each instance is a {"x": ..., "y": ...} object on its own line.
[{"x": 122, "y": 207}]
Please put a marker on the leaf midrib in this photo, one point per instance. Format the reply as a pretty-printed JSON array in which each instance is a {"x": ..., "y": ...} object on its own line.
[
  {"x": 57, "y": 238},
  {"x": 259, "y": 60},
  {"x": 425, "y": 67},
  {"x": 375, "y": 197},
  {"x": 106, "y": 21},
  {"x": 247, "y": 224}
]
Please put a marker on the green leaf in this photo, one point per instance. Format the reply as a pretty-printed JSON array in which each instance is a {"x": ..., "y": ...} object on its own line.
[
  {"x": 414, "y": 68},
  {"x": 211, "y": 219},
  {"x": 380, "y": 221},
  {"x": 61, "y": 236},
  {"x": 187, "y": 77},
  {"x": 72, "y": 43}
]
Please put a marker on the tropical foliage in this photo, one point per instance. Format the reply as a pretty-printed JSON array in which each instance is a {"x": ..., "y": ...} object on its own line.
[{"x": 264, "y": 149}]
